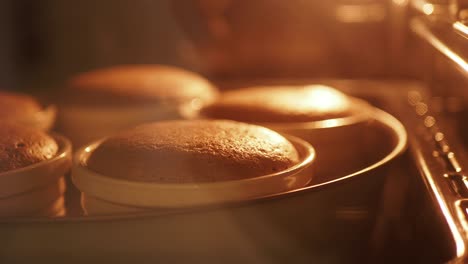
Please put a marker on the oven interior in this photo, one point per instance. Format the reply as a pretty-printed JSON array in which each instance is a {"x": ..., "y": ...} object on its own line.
[{"x": 408, "y": 58}]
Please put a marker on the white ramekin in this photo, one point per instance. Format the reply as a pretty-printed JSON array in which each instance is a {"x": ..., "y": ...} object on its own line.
[
  {"x": 336, "y": 141},
  {"x": 39, "y": 174},
  {"x": 32, "y": 201},
  {"x": 163, "y": 195}
]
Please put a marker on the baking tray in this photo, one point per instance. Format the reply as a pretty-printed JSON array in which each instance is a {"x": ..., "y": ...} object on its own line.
[{"x": 363, "y": 219}]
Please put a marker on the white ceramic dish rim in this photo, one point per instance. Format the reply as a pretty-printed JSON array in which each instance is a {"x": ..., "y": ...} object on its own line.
[
  {"x": 381, "y": 116},
  {"x": 401, "y": 136},
  {"x": 79, "y": 168}
]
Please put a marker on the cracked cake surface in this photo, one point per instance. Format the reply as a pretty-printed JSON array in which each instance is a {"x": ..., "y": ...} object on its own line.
[{"x": 22, "y": 146}]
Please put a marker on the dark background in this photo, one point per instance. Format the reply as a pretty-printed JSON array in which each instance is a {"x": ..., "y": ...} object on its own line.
[{"x": 42, "y": 43}]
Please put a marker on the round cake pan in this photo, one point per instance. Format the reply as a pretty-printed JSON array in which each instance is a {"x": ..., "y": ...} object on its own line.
[
  {"x": 337, "y": 140},
  {"x": 165, "y": 195},
  {"x": 39, "y": 174},
  {"x": 326, "y": 222}
]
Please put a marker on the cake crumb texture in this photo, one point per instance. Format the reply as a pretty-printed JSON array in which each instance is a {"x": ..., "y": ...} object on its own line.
[
  {"x": 23, "y": 146},
  {"x": 270, "y": 104},
  {"x": 193, "y": 151}
]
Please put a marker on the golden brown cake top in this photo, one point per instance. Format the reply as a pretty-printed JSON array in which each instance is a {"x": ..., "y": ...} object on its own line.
[
  {"x": 137, "y": 84},
  {"x": 265, "y": 104},
  {"x": 193, "y": 151},
  {"x": 22, "y": 146},
  {"x": 15, "y": 106}
]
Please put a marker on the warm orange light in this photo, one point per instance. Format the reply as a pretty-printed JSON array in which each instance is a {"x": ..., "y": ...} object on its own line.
[
  {"x": 461, "y": 28},
  {"x": 322, "y": 98},
  {"x": 442, "y": 203},
  {"x": 428, "y": 9},
  {"x": 400, "y": 2},
  {"x": 319, "y": 99},
  {"x": 429, "y": 121},
  {"x": 273, "y": 137},
  {"x": 421, "y": 109},
  {"x": 277, "y": 104},
  {"x": 422, "y": 30},
  {"x": 360, "y": 13}
]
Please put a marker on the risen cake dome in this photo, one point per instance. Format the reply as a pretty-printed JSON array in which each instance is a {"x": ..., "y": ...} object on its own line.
[
  {"x": 281, "y": 104},
  {"x": 23, "y": 146},
  {"x": 137, "y": 84},
  {"x": 193, "y": 151}
]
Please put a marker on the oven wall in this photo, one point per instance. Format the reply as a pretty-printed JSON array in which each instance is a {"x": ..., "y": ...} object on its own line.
[{"x": 223, "y": 39}]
